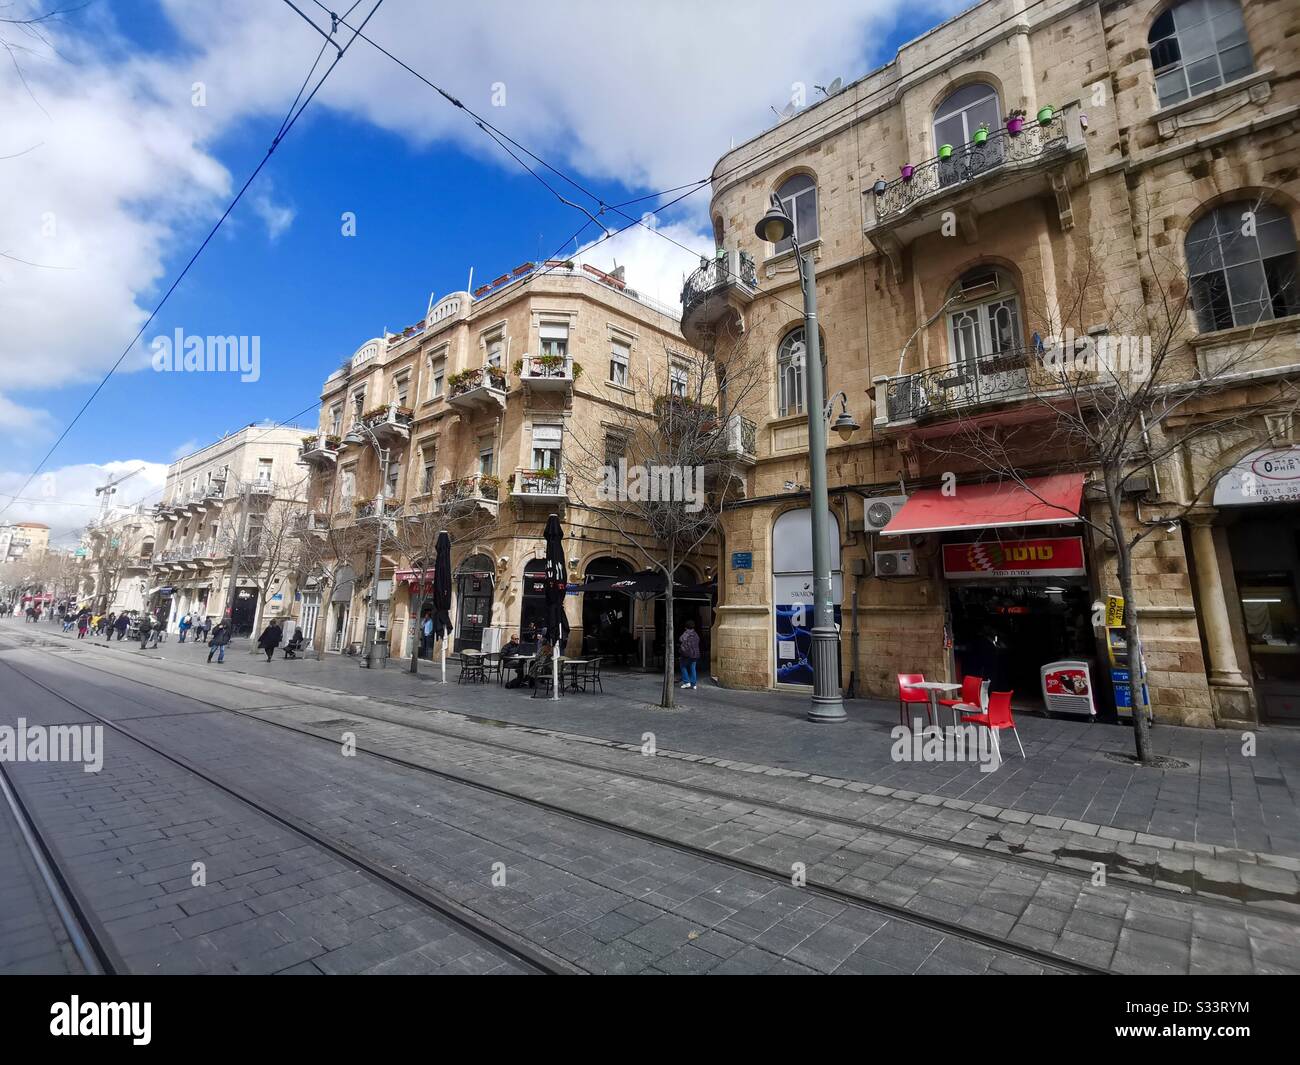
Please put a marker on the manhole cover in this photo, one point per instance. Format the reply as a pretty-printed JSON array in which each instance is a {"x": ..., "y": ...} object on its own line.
[{"x": 1158, "y": 761}]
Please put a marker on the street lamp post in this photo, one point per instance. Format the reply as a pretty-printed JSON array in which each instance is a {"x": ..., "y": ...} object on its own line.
[
  {"x": 359, "y": 432},
  {"x": 827, "y": 703}
]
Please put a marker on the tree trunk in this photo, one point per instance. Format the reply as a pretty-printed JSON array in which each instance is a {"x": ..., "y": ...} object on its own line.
[
  {"x": 322, "y": 620},
  {"x": 1124, "y": 571},
  {"x": 670, "y": 682},
  {"x": 418, "y": 619}
]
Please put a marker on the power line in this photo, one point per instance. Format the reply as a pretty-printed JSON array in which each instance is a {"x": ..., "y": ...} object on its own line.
[{"x": 275, "y": 143}]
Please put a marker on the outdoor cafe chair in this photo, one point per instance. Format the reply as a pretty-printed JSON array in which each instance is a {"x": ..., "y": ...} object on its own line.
[
  {"x": 995, "y": 719},
  {"x": 973, "y": 699},
  {"x": 492, "y": 664},
  {"x": 471, "y": 669},
  {"x": 909, "y": 695},
  {"x": 590, "y": 674}
]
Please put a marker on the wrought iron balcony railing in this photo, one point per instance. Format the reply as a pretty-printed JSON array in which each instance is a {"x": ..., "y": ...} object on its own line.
[
  {"x": 369, "y": 508},
  {"x": 725, "y": 268},
  {"x": 482, "y": 487},
  {"x": 971, "y": 161},
  {"x": 530, "y": 482},
  {"x": 960, "y": 386}
]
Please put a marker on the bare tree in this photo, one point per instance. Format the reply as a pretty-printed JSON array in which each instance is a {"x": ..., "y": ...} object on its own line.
[
  {"x": 662, "y": 470},
  {"x": 1134, "y": 403}
]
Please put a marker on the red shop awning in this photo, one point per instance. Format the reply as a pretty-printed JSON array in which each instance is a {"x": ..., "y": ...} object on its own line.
[{"x": 1038, "y": 501}]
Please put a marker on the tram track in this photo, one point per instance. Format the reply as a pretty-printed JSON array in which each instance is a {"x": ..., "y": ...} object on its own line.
[
  {"x": 1048, "y": 960},
  {"x": 104, "y": 957},
  {"x": 1130, "y": 882}
]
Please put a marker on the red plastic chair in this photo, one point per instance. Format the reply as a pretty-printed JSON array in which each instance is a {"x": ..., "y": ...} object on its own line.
[
  {"x": 970, "y": 693},
  {"x": 908, "y": 694},
  {"x": 997, "y": 717}
]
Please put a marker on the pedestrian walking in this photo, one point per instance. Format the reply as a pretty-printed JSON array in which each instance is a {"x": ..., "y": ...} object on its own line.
[
  {"x": 109, "y": 625},
  {"x": 218, "y": 640},
  {"x": 122, "y": 623},
  {"x": 184, "y": 627},
  {"x": 83, "y": 625},
  {"x": 270, "y": 639},
  {"x": 689, "y": 649},
  {"x": 205, "y": 627}
]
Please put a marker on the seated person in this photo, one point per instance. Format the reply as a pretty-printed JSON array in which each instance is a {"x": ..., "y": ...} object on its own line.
[
  {"x": 294, "y": 645},
  {"x": 539, "y": 666}
]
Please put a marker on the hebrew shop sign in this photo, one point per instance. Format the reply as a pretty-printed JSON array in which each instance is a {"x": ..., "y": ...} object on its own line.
[{"x": 1060, "y": 556}]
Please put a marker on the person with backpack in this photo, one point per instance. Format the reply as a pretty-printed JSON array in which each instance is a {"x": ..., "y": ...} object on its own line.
[
  {"x": 688, "y": 647},
  {"x": 218, "y": 640},
  {"x": 184, "y": 627}
]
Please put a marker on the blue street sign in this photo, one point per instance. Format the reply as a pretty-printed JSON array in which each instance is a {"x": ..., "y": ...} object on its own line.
[{"x": 742, "y": 560}]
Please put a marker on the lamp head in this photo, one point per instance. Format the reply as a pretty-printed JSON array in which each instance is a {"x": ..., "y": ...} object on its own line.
[
  {"x": 846, "y": 425},
  {"x": 775, "y": 226}
]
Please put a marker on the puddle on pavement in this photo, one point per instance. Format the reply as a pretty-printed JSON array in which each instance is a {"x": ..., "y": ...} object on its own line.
[{"x": 1155, "y": 873}]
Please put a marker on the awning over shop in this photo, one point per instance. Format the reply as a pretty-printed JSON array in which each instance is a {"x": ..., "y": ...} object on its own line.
[
  {"x": 648, "y": 584},
  {"x": 1004, "y": 504}
]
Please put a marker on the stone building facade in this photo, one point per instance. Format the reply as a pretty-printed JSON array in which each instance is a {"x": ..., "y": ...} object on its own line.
[
  {"x": 952, "y": 238},
  {"x": 495, "y": 411}
]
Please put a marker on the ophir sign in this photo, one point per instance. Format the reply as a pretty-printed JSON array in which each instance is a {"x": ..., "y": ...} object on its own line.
[{"x": 990, "y": 559}]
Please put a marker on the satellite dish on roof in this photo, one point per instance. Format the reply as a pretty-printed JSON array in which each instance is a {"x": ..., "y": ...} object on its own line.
[
  {"x": 831, "y": 89},
  {"x": 787, "y": 112}
]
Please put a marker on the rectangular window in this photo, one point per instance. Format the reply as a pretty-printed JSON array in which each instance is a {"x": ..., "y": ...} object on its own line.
[
  {"x": 358, "y": 403},
  {"x": 496, "y": 346},
  {"x": 677, "y": 379},
  {"x": 620, "y": 353},
  {"x": 554, "y": 337},
  {"x": 615, "y": 449},
  {"x": 402, "y": 390},
  {"x": 546, "y": 447},
  {"x": 394, "y": 480},
  {"x": 428, "y": 456},
  {"x": 486, "y": 457},
  {"x": 347, "y": 487},
  {"x": 437, "y": 376},
  {"x": 263, "y": 471},
  {"x": 336, "y": 419}
]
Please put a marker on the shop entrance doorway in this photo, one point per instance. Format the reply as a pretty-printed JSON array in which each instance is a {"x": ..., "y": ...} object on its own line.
[
  {"x": 1007, "y": 631},
  {"x": 473, "y": 602}
]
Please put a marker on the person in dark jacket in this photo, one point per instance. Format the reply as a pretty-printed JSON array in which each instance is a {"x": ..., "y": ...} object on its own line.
[
  {"x": 218, "y": 640},
  {"x": 122, "y": 624},
  {"x": 294, "y": 645},
  {"x": 270, "y": 639}
]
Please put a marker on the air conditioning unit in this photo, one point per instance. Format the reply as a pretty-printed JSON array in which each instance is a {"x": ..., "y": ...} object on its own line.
[
  {"x": 895, "y": 564},
  {"x": 881, "y": 510}
]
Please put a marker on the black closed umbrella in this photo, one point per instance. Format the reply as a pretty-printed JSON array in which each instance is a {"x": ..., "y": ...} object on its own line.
[
  {"x": 557, "y": 583},
  {"x": 442, "y": 594}
]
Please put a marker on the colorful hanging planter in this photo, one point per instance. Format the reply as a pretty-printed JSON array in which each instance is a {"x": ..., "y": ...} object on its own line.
[
  {"x": 880, "y": 186},
  {"x": 1015, "y": 122},
  {"x": 1045, "y": 115},
  {"x": 907, "y": 170},
  {"x": 981, "y": 134},
  {"x": 945, "y": 151}
]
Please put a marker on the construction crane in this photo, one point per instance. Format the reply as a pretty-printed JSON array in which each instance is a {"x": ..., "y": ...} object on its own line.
[{"x": 108, "y": 489}]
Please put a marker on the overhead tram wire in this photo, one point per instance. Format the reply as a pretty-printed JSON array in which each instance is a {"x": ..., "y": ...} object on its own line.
[
  {"x": 275, "y": 143},
  {"x": 714, "y": 177}
]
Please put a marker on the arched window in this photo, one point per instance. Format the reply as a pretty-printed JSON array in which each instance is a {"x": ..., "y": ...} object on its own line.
[
  {"x": 986, "y": 321},
  {"x": 791, "y": 378},
  {"x": 963, "y": 112},
  {"x": 1241, "y": 263},
  {"x": 1197, "y": 46},
  {"x": 799, "y": 198}
]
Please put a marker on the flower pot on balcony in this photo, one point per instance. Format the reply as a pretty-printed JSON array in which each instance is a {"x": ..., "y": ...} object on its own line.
[
  {"x": 1045, "y": 115},
  {"x": 1015, "y": 122},
  {"x": 945, "y": 151},
  {"x": 907, "y": 171},
  {"x": 879, "y": 187},
  {"x": 981, "y": 135}
]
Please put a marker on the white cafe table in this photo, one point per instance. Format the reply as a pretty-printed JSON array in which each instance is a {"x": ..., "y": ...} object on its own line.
[{"x": 934, "y": 687}]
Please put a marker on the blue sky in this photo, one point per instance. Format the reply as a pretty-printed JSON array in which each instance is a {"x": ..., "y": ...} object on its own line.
[{"x": 133, "y": 174}]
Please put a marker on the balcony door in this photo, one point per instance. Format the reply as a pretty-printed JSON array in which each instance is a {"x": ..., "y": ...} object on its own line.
[
  {"x": 986, "y": 344},
  {"x": 955, "y": 123}
]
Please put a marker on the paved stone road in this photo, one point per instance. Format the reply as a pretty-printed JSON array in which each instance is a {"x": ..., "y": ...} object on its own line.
[{"x": 1049, "y": 908}]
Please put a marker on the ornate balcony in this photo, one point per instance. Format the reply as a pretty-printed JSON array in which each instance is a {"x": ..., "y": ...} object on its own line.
[
  {"x": 370, "y": 508},
  {"x": 480, "y": 389},
  {"x": 539, "y": 486},
  {"x": 320, "y": 451},
  {"x": 547, "y": 373},
  {"x": 1019, "y": 382},
  {"x": 721, "y": 288},
  {"x": 462, "y": 496},
  {"x": 740, "y": 440},
  {"x": 1043, "y": 158},
  {"x": 391, "y": 424}
]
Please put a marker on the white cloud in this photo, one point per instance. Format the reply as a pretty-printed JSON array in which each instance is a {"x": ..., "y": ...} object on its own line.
[
  {"x": 276, "y": 217},
  {"x": 655, "y": 266},
  {"x": 126, "y": 173},
  {"x": 65, "y": 500}
]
